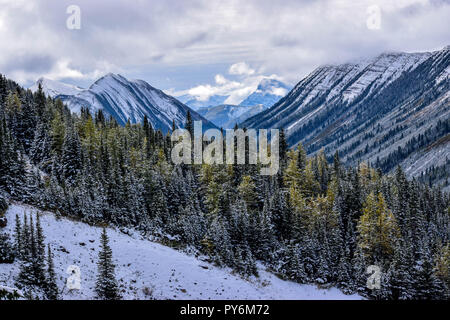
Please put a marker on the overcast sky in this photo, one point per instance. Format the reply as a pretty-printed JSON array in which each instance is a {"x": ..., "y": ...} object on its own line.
[{"x": 206, "y": 46}]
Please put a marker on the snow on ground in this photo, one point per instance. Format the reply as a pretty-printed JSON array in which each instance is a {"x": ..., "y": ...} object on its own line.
[{"x": 141, "y": 264}]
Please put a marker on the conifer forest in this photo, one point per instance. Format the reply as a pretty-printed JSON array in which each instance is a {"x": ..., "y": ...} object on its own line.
[{"x": 315, "y": 222}]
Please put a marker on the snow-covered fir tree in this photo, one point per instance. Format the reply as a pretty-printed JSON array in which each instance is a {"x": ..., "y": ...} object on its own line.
[{"x": 106, "y": 285}]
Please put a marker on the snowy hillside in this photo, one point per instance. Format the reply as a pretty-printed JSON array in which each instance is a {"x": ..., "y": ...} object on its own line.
[
  {"x": 141, "y": 264},
  {"x": 268, "y": 92},
  {"x": 124, "y": 99},
  {"x": 226, "y": 116},
  {"x": 388, "y": 110}
]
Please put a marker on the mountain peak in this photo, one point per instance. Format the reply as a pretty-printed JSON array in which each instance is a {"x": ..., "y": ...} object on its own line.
[
  {"x": 268, "y": 92},
  {"x": 115, "y": 76},
  {"x": 112, "y": 76},
  {"x": 268, "y": 83}
]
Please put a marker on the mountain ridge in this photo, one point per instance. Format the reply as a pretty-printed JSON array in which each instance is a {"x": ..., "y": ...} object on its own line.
[
  {"x": 365, "y": 110},
  {"x": 127, "y": 100}
]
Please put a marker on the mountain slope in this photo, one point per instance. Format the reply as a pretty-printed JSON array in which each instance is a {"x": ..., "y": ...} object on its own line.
[
  {"x": 126, "y": 100},
  {"x": 141, "y": 264},
  {"x": 268, "y": 92},
  {"x": 388, "y": 110},
  {"x": 227, "y": 115}
]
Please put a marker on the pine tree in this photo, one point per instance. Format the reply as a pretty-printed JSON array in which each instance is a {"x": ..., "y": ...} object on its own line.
[
  {"x": 51, "y": 288},
  {"x": 40, "y": 101},
  {"x": 18, "y": 236},
  {"x": 26, "y": 273},
  {"x": 71, "y": 155},
  {"x": 57, "y": 132},
  {"x": 426, "y": 284},
  {"x": 39, "y": 258},
  {"x": 106, "y": 284},
  {"x": 247, "y": 192},
  {"x": 378, "y": 229},
  {"x": 400, "y": 286},
  {"x": 283, "y": 147},
  {"x": 263, "y": 235},
  {"x": 189, "y": 124},
  {"x": 294, "y": 266},
  {"x": 40, "y": 152},
  {"x": 281, "y": 215},
  {"x": 7, "y": 252},
  {"x": 217, "y": 243},
  {"x": 442, "y": 266},
  {"x": 301, "y": 157}
]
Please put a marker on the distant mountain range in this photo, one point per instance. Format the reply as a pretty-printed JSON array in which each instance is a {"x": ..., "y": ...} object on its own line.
[
  {"x": 196, "y": 104},
  {"x": 392, "y": 109},
  {"x": 268, "y": 92},
  {"x": 223, "y": 115},
  {"x": 226, "y": 116},
  {"x": 124, "y": 100}
]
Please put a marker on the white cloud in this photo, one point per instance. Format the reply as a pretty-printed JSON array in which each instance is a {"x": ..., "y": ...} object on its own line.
[
  {"x": 289, "y": 38},
  {"x": 220, "y": 79},
  {"x": 241, "y": 68},
  {"x": 202, "y": 92},
  {"x": 236, "y": 90},
  {"x": 279, "y": 92}
]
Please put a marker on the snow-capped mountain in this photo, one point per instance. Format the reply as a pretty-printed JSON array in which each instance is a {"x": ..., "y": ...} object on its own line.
[
  {"x": 54, "y": 88},
  {"x": 124, "y": 100},
  {"x": 268, "y": 92},
  {"x": 227, "y": 116},
  {"x": 196, "y": 104},
  {"x": 391, "y": 109}
]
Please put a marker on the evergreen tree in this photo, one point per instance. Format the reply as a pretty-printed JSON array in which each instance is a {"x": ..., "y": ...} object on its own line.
[
  {"x": 248, "y": 194},
  {"x": 7, "y": 253},
  {"x": 39, "y": 255},
  {"x": 283, "y": 147},
  {"x": 51, "y": 289},
  {"x": 71, "y": 155},
  {"x": 18, "y": 241},
  {"x": 378, "y": 229},
  {"x": 106, "y": 285}
]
